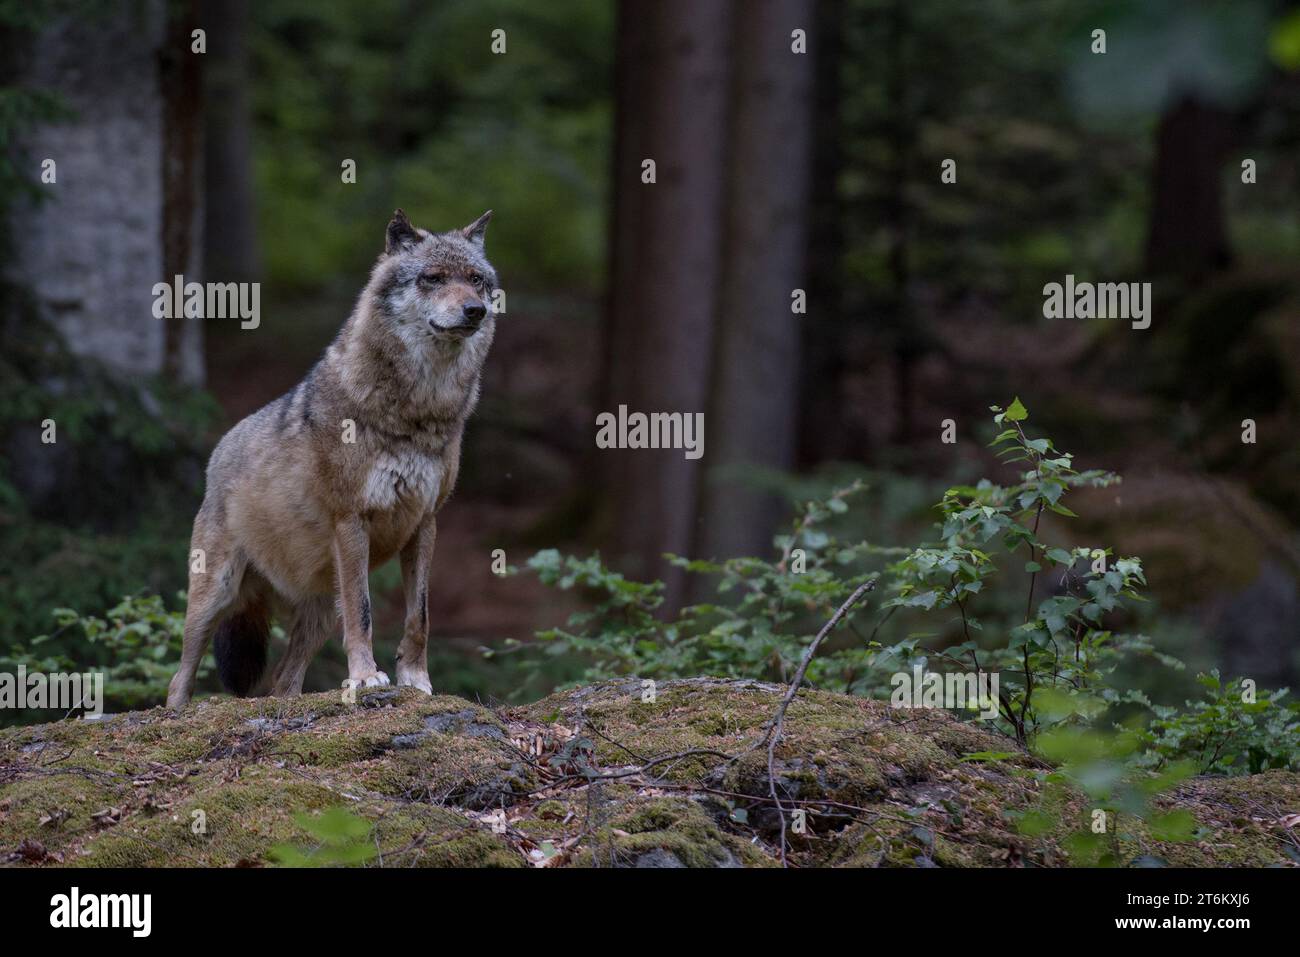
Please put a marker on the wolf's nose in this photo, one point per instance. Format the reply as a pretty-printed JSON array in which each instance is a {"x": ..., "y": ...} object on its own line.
[{"x": 474, "y": 311}]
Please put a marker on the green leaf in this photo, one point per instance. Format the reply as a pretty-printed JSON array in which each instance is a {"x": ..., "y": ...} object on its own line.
[
  {"x": 1176, "y": 825},
  {"x": 1034, "y": 823},
  {"x": 1284, "y": 43},
  {"x": 335, "y": 825},
  {"x": 288, "y": 856},
  {"x": 1016, "y": 412},
  {"x": 924, "y": 600}
]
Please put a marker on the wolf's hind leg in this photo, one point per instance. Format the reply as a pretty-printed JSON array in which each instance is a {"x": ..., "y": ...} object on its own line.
[
  {"x": 312, "y": 622},
  {"x": 214, "y": 590},
  {"x": 412, "y": 653}
]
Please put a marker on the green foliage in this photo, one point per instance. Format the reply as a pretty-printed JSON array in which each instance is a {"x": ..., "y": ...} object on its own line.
[
  {"x": 760, "y": 631},
  {"x": 437, "y": 124},
  {"x": 1231, "y": 731},
  {"x": 1044, "y": 617},
  {"x": 40, "y": 379},
  {"x": 1284, "y": 41},
  {"x": 1048, "y": 195},
  {"x": 1053, "y": 660},
  {"x": 1056, "y": 656},
  {"x": 1105, "y": 766},
  {"x": 343, "y": 839},
  {"x": 135, "y": 644},
  {"x": 20, "y": 110},
  {"x": 1063, "y": 134},
  {"x": 107, "y": 512},
  {"x": 45, "y": 565}
]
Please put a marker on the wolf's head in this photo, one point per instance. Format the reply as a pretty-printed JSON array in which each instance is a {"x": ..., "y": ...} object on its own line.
[{"x": 434, "y": 287}]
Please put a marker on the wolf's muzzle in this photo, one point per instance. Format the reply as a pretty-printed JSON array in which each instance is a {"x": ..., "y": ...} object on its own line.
[{"x": 472, "y": 314}]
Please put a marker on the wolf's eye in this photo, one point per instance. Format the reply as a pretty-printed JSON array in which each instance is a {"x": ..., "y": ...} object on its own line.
[
  {"x": 477, "y": 279},
  {"x": 433, "y": 278}
]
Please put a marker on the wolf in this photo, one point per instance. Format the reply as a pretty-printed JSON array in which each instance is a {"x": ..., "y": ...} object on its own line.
[{"x": 307, "y": 495}]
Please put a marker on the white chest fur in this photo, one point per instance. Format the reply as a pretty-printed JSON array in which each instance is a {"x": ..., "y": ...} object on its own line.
[{"x": 403, "y": 476}]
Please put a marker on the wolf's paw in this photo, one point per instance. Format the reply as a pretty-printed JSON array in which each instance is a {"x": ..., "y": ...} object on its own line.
[
  {"x": 376, "y": 679},
  {"x": 177, "y": 698},
  {"x": 414, "y": 679}
]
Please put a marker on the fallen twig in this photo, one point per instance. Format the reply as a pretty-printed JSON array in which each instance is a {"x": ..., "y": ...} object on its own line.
[{"x": 777, "y": 726}]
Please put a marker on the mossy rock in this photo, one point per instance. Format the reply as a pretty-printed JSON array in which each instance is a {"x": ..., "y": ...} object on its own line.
[{"x": 595, "y": 777}]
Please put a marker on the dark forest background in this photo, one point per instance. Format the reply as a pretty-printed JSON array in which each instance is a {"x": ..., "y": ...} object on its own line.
[{"x": 776, "y": 171}]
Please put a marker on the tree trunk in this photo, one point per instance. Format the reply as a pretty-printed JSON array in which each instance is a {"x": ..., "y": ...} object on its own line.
[
  {"x": 754, "y": 404},
  {"x": 230, "y": 247},
  {"x": 906, "y": 333},
  {"x": 666, "y": 271},
  {"x": 91, "y": 252},
  {"x": 181, "y": 80},
  {"x": 822, "y": 434},
  {"x": 1186, "y": 236}
]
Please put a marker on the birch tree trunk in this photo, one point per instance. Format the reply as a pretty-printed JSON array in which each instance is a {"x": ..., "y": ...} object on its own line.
[{"x": 91, "y": 253}]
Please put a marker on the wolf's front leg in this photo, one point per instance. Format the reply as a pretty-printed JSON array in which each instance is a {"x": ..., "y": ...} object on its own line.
[
  {"x": 412, "y": 654},
  {"x": 352, "y": 569}
]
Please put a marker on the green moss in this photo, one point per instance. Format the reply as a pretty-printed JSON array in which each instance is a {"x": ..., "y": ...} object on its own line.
[
  {"x": 54, "y": 808},
  {"x": 241, "y": 821},
  {"x": 878, "y": 788},
  {"x": 668, "y": 832},
  {"x": 1239, "y": 821}
]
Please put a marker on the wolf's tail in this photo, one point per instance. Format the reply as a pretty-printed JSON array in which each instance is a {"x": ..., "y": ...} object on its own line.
[{"x": 240, "y": 649}]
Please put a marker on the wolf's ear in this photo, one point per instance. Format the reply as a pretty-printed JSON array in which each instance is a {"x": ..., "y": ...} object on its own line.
[
  {"x": 400, "y": 233},
  {"x": 475, "y": 230}
]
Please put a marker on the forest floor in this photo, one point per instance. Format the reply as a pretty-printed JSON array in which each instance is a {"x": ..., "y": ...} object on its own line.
[{"x": 594, "y": 776}]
